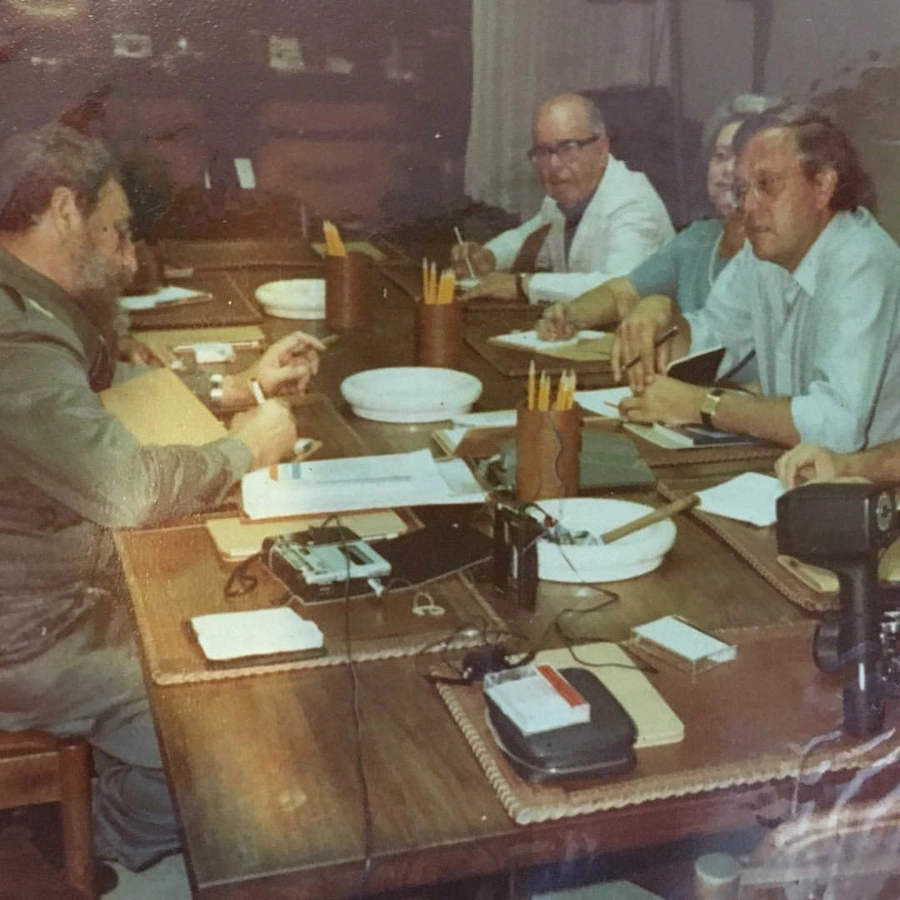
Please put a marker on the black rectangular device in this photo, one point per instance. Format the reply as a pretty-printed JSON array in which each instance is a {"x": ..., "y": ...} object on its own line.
[
  {"x": 604, "y": 746},
  {"x": 333, "y": 563}
]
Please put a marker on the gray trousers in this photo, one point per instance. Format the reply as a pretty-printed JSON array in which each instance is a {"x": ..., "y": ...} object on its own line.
[{"x": 90, "y": 683}]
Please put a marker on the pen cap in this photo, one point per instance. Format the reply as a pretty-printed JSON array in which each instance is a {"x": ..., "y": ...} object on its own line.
[
  {"x": 548, "y": 444},
  {"x": 348, "y": 290},
  {"x": 439, "y": 334}
]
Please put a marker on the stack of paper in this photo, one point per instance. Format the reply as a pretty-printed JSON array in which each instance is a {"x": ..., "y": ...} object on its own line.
[
  {"x": 361, "y": 482},
  {"x": 750, "y": 497}
]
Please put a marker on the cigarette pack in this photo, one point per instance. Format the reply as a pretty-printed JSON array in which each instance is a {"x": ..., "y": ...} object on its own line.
[{"x": 536, "y": 698}]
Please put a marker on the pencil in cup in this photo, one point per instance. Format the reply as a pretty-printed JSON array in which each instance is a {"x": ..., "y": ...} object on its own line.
[{"x": 548, "y": 445}]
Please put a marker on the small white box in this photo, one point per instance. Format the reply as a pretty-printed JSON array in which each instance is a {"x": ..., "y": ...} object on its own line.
[{"x": 536, "y": 698}]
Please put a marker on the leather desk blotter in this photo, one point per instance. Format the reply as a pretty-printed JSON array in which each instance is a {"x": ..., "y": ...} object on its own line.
[
  {"x": 754, "y": 544},
  {"x": 229, "y": 306},
  {"x": 195, "y": 578},
  {"x": 746, "y": 723},
  {"x": 236, "y": 254},
  {"x": 509, "y": 361}
]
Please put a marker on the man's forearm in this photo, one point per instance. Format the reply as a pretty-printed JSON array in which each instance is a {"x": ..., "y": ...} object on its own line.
[
  {"x": 596, "y": 307},
  {"x": 768, "y": 418}
]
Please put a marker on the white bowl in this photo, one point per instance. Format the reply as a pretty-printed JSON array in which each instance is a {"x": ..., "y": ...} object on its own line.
[
  {"x": 296, "y": 298},
  {"x": 630, "y": 556},
  {"x": 410, "y": 393}
]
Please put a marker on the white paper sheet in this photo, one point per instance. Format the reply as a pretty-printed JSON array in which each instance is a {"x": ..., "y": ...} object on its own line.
[
  {"x": 603, "y": 402},
  {"x": 528, "y": 340},
  {"x": 256, "y": 632},
  {"x": 749, "y": 498},
  {"x": 362, "y": 482},
  {"x": 170, "y": 294}
]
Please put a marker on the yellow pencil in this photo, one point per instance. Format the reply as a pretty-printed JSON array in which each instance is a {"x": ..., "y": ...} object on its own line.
[
  {"x": 544, "y": 392},
  {"x": 531, "y": 384},
  {"x": 447, "y": 287}
]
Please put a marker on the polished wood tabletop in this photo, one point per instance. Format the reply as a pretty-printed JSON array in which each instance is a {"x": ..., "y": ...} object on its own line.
[{"x": 348, "y": 780}]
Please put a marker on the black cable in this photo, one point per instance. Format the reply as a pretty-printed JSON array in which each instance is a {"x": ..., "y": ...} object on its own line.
[{"x": 368, "y": 824}]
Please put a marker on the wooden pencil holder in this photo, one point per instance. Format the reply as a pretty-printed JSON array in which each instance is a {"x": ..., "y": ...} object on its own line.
[
  {"x": 548, "y": 445},
  {"x": 439, "y": 334},
  {"x": 348, "y": 291}
]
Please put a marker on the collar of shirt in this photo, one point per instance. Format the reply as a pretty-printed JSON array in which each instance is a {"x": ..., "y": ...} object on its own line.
[
  {"x": 807, "y": 273},
  {"x": 574, "y": 215}
]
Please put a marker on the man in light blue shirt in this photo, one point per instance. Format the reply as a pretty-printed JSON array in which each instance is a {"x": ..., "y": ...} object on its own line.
[{"x": 815, "y": 295}]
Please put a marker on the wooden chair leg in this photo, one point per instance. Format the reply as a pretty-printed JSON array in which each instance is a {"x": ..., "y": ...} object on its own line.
[{"x": 75, "y": 816}]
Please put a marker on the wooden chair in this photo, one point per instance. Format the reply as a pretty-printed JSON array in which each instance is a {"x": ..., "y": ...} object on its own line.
[{"x": 36, "y": 767}]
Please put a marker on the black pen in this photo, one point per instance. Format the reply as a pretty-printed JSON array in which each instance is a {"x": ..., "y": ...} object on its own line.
[{"x": 667, "y": 336}]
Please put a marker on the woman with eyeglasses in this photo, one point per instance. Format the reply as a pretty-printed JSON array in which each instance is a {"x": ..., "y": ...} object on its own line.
[{"x": 688, "y": 264}]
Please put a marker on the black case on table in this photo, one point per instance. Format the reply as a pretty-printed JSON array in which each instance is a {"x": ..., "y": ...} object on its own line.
[{"x": 604, "y": 746}]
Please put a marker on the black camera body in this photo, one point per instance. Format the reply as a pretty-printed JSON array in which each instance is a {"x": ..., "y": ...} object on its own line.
[
  {"x": 844, "y": 526},
  {"x": 516, "y": 535}
]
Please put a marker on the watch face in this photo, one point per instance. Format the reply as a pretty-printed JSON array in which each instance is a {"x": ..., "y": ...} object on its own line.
[{"x": 884, "y": 512}]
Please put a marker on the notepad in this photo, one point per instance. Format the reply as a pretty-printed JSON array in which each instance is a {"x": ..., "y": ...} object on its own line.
[
  {"x": 257, "y": 632},
  {"x": 701, "y": 368}
]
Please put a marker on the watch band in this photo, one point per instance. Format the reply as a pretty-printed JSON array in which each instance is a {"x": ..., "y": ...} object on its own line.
[
  {"x": 216, "y": 380},
  {"x": 708, "y": 406},
  {"x": 521, "y": 286}
]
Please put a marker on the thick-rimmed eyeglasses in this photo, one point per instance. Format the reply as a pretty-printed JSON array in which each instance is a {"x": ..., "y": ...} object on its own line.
[
  {"x": 565, "y": 151},
  {"x": 766, "y": 186}
]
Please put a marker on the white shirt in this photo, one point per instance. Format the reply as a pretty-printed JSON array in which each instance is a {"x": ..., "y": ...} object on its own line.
[
  {"x": 826, "y": 335},
  {"x": 623, "y": 224}
]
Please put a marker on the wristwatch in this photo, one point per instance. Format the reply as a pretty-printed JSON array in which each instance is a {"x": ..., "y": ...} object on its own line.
[{"x": 708, "y": 406}]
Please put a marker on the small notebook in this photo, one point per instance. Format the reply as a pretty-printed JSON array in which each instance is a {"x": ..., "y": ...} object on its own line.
[
  {"x": 700, "y": 436},
  {"x": 697, "y": 368}
]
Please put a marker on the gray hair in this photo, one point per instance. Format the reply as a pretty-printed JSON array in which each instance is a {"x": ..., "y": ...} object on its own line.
[
  {"x": 35, "y": 163},
  {"x": 738, "y": 109}
]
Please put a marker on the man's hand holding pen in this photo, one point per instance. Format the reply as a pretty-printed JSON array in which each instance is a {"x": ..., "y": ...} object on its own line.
[{"x": 643, "y": 346}]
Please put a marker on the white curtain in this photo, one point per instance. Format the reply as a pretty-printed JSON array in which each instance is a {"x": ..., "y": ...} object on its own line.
[{"x": 526, "y": 50}]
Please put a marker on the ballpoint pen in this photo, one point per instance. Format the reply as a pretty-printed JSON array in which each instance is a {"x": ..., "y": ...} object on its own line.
[
  {"x": 667, "y": 336},
  {"x": 462, "y": 243}
]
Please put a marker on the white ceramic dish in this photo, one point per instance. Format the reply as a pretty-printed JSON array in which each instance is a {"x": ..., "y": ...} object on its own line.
[
  {"x": 633, "y": 555},
  {"x": 410, "y": 394},
  {"x": 296, "y": 298}
]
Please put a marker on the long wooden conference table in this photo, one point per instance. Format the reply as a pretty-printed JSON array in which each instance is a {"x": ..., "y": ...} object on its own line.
[{"x": 353, "y": 779}]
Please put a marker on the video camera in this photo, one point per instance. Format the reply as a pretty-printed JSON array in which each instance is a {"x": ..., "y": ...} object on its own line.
[{"x": 844, "y": 526}]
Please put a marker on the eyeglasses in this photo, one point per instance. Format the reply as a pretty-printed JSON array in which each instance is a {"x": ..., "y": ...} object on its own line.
[
  {"x": 766, "y": 186},
  {"x": 565, "y": 151}
]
